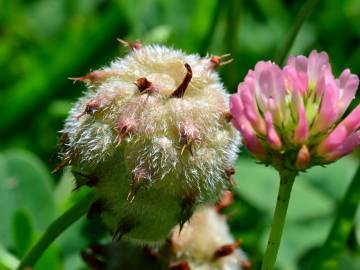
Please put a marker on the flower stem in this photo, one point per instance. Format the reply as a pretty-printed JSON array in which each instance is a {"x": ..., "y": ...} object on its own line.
[
  {"x": 286, "y": 184},
  {"x": 304, "y": 12},
  {"x": 211, "y": 30},
  {"x": 55, "y": 229}
]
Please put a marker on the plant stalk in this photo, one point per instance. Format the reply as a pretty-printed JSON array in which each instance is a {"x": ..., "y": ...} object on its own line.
[
  {"x": 304, "y": 12},
  {"x": 55, "y": 229},
  {"x": 210, "y": 33},
  {"x": 286, "y": 184}
]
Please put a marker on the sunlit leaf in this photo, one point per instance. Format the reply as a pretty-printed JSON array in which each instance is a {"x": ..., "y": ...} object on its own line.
[{"x": 7, "y": 260}]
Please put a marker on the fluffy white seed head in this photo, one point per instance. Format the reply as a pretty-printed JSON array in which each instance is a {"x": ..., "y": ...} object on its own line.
[
  {"x": 205, "y": 243},
  {"x": 153, "y": 130}
]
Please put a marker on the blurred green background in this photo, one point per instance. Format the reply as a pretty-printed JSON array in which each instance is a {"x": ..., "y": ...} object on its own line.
[{"x": 42, "y": 42}]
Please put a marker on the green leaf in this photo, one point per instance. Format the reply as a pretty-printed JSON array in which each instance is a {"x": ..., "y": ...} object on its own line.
[
  {"x": 24, "y": 183},
  {"x": 22, "y": 231},
  {"x": 349, "y": 261},
  {"x": 258, "y": 184},
  {"x": 299, "y": 237},
  {"x": 73, "y": 262},
  {"x": 333, "y": 179}
]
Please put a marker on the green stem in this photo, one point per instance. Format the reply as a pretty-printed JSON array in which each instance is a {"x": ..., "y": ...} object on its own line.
[
  {"x": 286, "y": 184},
  {"x": 333, "y": 247},
  {"x": 233, "y": 15},
  {"x": 305, "y": 11},
  {"x": 55, "y": 229},
  {"x": 211, "y": 30}
]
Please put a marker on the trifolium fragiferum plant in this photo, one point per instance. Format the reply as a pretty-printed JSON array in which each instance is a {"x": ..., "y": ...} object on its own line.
[{"x": 152, "y": 135}]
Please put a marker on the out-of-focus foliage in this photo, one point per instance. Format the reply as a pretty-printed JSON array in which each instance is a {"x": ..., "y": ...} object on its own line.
[{"x": 42, "y": 42}]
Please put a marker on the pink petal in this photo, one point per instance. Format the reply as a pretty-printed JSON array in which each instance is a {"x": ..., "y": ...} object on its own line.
[
  {"x": 236, "y": 122},
  {"x": 333, "y": 140},
  {"x": 253, "y": 144},
  {"x": 299, "y": 63},
  {"x": 250, "y": 108},
  {"x": 348, "y": 145},
  {"x": 295, "y": 80},
  {"x": 348, "y": 126},
  {"x": 352, "y": 121},
  {"x": 348, "y": 84},
  {"x": 317, "y": 63},
  {"x": 250, "y": 81},
  {"x": 272, "y": 136},
  {"x": 270, "y": 89},
  {"x": 329, "y": 111},
  {"x": 301, "y": 131},
  {"x": 240, "y": 122},
  {"x": 320, "y": 87},
  {"x": 249, "y": 137},
  {"x": 303, "y": 158},
  {"x": 236, "y": 106}
]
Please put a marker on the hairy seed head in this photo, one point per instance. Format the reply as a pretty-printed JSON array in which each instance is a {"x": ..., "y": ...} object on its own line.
[
  {"x": 206, "y": 243},
  {"x": 155, "y": 136}
]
